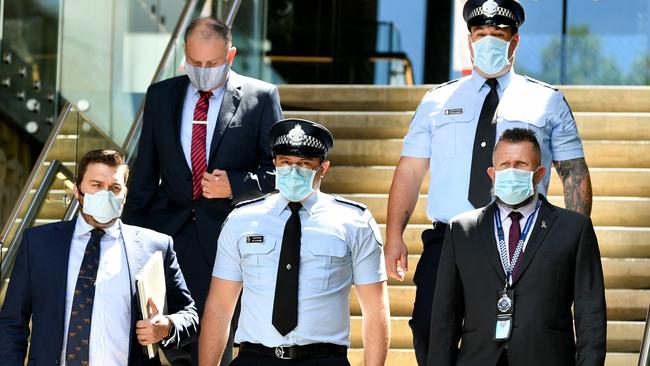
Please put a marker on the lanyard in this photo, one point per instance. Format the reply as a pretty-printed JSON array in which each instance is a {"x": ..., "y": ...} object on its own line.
[{"x": 508, "y": 265}]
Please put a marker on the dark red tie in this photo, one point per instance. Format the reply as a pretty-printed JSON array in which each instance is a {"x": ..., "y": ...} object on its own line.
[
  {"x": 513, "y": 238},
  {"x": 199, "y": 128}
]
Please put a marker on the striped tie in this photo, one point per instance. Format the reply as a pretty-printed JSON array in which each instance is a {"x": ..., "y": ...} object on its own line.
[{"x": 199, "y": 126}]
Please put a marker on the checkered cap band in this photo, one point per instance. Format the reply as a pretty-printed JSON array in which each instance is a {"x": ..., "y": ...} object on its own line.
[
  {"x": 500, "y": 11},
  {"x": 308, "y": 141}
]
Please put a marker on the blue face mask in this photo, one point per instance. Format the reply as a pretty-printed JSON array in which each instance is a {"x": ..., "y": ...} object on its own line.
[
  {"x": 491, "y": 54},
  {"x": 513, "y": 186},
  {"x": 294, "y": 182}
]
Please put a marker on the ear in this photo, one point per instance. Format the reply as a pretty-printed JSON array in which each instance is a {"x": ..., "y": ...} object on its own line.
[
  {"x": 75, "y": 190},
  {"x": 324, "y": 167},
  {"x": 539, "y": 174},
  {"x": 514, "y": 43},
  {"x": 491, "y": 173},
  {"x": 469, "y": 44},
  {"x": 231, "y": 55}
]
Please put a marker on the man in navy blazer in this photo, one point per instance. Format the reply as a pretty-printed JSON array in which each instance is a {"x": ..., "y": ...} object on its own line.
[
  {"x": 58, "y": 263},
  {"x": 238, "y": 163}
]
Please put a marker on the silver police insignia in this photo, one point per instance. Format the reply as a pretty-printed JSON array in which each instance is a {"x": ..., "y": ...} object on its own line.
[
  {"x": 296, "y": 136},
  {"x": 489, "y": 8}
]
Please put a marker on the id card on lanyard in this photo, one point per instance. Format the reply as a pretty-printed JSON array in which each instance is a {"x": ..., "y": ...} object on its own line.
[{"x": 505, "y": 297}]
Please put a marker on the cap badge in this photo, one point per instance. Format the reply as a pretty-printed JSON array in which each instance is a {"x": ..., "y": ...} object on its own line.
[
  {"x": 296, "y": 136},
  {"x": 489, "y": 8}
]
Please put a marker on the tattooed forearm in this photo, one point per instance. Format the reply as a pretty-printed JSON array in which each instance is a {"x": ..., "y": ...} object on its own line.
[{"x": 575, "y": 178}]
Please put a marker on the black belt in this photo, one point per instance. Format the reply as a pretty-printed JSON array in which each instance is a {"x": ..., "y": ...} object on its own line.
[
  {"x": 439, "y": 227},
  {"x": 315, "y": 350}
]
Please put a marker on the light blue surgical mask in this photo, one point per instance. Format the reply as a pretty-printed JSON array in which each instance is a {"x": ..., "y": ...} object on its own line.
[
  {"x": 491, "y": 54},
  {"x": 207, "y": 78},
  {"x": 103, "y": 206},
  {"x": 513, "y": 186},
  {"x": 295, "y": 183}
]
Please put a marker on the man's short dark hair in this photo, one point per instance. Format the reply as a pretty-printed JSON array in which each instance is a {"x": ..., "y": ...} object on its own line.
[
  {"x": 111, "y": 158},
  {"x": 209, "y": 27},
  {"x": 516, "y": 135}
]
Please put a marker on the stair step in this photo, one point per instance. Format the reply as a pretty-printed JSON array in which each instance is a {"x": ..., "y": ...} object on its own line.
[
  {"x": 607, "y": 211},
  {"x": 406, "y": 357},
  {"x": 598, "y": 153},
  {"x": 618, "y": 242},
  {"x": 406, "y": 98},
  {"x": 619, "y": 273},
  {"x": 394, "y": 125},
  {"x": 622, "y": 304},
  {"x": 71, "y": 148},
  {"x": 634, "y": 182},
  {"x": 622, "y": 336}
]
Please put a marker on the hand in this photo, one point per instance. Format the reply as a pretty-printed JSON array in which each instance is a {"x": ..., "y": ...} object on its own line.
[
  {"x": 216, "y": 185},
  {"x": 154, "y": 329},
  {"x": 396, "y": 254}
]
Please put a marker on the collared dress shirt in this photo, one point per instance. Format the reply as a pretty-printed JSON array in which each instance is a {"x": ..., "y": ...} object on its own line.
[
  {"x": 526, "y": 212},
  {"x": 340, "y": 246},
  {"x": 191, "y": 97},
  {"x": 111, "y": 320},
  {"x": 444, "y": 127}
]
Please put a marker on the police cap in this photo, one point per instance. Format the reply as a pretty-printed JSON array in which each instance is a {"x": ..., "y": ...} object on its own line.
[
  {"x": 496, "y": 13},
  {"x": 300, "y": 137}
]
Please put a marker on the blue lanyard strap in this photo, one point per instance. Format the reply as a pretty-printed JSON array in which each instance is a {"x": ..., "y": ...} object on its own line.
[{"x": 508, "y": 265}]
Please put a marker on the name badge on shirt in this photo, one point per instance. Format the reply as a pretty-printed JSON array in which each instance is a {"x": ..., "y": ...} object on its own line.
[
  {"x": 255, "y": 239},
  {"x": 450, "y": 112}
]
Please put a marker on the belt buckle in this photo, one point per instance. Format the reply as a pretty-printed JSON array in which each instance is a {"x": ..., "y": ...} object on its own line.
[{"x": 279, "y": 353}]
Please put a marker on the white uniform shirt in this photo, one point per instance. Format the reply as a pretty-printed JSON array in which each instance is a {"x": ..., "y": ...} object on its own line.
[
  {"x": 444, "y": 127},
  {"x": 110, "y": 328},
  {"x": 340, "y": 246}
]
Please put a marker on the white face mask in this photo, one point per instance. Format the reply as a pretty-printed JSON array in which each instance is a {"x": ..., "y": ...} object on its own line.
[
  {"x": 207, "y": 78},
  {"x": 491, "y": 54},
  {"x": 103, "y": 206}
]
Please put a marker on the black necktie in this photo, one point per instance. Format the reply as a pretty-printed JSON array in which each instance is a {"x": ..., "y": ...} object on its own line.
[
  {"x": 285, "y": 303},
  {"x": 82, "y": 303},
  {"x": 479, "y": 182}
]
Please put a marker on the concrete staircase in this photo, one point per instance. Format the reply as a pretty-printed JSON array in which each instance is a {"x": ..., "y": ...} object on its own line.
[{"x": 369, "y": 122}]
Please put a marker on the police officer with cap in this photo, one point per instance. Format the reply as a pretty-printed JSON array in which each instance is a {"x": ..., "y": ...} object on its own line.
[
  {"x": 296, "y": 254},
  {"x": 452, "y": 135}
]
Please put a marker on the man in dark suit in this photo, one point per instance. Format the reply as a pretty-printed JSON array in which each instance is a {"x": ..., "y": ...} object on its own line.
[
  {"x": 204, "y": 147},
  {"x": 75, "y": 281},
  {"x": 511, "y": 271}
]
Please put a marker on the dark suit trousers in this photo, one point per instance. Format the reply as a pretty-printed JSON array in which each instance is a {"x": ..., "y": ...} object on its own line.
[
  {"x": 256, "y": 360},
  {"x": 197, "y": 271},
  {"x": 425, "y": 282}
]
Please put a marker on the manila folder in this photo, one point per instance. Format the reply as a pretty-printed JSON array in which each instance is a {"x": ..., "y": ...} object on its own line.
[{"x": 151, "y": 284}]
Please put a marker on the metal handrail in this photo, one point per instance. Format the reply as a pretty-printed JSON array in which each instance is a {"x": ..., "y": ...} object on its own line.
[
  {"x": 31, "y": 180},
  {"x": 28, "y": 218},
  {"x": 186, "y": 17},
  {"x": 644, "y": 354}
]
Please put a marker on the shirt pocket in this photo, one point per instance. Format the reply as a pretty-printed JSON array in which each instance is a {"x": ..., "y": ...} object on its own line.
[
  {"x": 326, "y": 264},
  {"x": 450, "y": 131},
  {"x": 259, "y": 262},
  {"x": 530, "y": 119}
]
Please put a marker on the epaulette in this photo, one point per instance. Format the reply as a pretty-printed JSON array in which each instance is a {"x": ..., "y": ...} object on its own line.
[
  {"x": 441, "y": 85},
  {"x": 248, "y": 202},
  {"x": 349, "y": 202},
  {"x": 540, "y": 83}
]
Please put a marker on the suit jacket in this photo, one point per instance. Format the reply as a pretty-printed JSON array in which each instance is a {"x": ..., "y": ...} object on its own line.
[
  {"x": 37, "y": 290},
  {"x": 560, "y": 267},
  {"x": 160, "y": 188}
]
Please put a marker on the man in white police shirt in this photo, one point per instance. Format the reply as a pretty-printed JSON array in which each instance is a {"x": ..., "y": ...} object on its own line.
[
  {"x": 452, "y": 136},
  {"x": 296, "y": 254}
]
